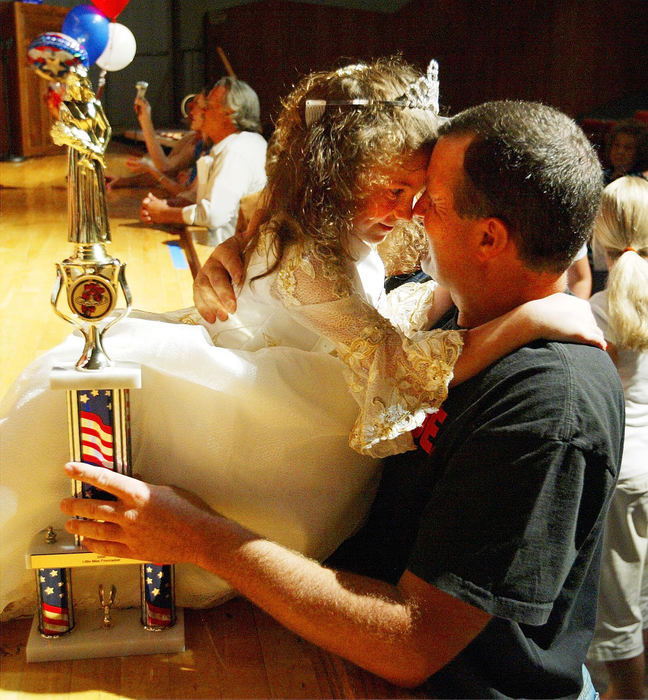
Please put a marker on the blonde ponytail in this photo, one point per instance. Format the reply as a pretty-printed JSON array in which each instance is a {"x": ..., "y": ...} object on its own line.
[{"x": 621, "y": 229}]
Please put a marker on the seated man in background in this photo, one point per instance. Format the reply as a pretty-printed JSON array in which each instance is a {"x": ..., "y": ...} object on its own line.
[{"x": 235, "y": 166}]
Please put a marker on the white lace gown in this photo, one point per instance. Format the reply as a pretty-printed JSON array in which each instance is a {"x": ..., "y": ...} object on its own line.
[{"x": 258, "y": 424}]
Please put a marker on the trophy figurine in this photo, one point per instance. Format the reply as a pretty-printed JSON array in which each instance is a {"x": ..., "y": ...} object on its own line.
[{"x": 98, "y": 390}]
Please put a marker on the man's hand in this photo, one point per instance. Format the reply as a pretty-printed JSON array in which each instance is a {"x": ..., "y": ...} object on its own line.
[
  {"x": 160, "y": 211},
  {"x": 146, "y": 522},
  {"x": 213, "y": 288}
]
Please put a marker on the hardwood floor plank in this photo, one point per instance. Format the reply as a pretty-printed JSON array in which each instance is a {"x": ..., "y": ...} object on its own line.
[
  {"x": 290, "y": 671},
  {"x": 96, "y": 679},
  {"x": 12, "y": 657},
  {"x": 235, "y": 641},
  {"x": 197, "y": 672}
]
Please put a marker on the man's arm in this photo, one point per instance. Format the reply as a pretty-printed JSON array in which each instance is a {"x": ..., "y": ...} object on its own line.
[{"x": 403, "y": 633}]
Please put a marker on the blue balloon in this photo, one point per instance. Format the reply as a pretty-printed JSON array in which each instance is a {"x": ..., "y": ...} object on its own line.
[{"x": 90, "y": 28}]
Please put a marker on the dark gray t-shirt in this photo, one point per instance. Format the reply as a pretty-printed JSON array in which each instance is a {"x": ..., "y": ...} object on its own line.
[{"x": 503, "y": 506}]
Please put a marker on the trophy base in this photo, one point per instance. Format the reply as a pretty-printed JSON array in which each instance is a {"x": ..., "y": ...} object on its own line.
[
  {"x": 89, "y": 639},
  {"x": 65, "y": 553}
]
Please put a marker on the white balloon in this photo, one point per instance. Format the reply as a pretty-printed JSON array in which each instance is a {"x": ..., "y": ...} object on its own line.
[{"x": 120, "y": 50}]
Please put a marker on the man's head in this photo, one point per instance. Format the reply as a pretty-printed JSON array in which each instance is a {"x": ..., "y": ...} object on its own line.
[
  {"x": 242, "y": 103},
  {"x": 533, "y": 168}
]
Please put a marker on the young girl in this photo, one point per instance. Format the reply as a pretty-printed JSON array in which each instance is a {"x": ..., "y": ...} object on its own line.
[
  {"x": 621, "y": 230},
  {"x": 260, "y": 418}
]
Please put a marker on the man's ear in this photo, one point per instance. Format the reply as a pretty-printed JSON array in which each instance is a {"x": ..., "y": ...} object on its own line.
[{"x": 494, "y": 238}]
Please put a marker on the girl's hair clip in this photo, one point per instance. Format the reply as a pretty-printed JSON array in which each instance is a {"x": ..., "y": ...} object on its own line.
[
  {"x": 423, "y": 94},
  {"x": 314, "y": 110}
]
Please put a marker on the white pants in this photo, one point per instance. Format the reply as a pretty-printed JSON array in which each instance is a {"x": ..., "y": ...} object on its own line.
[{"x": 623, "y": 596}]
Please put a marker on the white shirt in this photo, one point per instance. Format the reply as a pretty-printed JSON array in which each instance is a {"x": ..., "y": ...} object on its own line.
[
  {"x": 233, "y": 168},
  {"x": 633, "y": 371}
]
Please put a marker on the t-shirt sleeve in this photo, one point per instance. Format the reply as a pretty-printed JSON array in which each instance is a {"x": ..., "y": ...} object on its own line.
[{"x": 508, "y": 516}]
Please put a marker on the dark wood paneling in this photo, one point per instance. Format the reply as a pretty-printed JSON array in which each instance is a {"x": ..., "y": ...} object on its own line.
[
  {"x": 573, "y": 54},
  {"x": 272, "y": 44},
  {"x": 28, "y": 122}
]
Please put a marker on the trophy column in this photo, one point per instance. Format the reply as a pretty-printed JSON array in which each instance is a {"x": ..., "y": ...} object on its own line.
[{"x": 98, "y": 397}]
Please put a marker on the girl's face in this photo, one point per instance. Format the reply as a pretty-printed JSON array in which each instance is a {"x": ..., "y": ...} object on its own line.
[
  {"x": 393, "y": 201},
  {"x": 623, "y": 152}
]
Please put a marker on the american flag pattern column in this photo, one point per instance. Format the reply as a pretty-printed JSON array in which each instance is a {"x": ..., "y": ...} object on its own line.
[
  {"x": 55, "y": 610},
  {"x": 158, "y": 596},
  {"x": 100, "y": 433}
]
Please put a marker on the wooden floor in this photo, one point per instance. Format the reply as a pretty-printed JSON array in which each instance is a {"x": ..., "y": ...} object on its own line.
[{"x": 233, "y": 650}]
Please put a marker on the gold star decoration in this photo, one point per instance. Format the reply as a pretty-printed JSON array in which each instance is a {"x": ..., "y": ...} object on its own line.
[
  {"x": 49, "y": 590},
  {"x": 84, "y": 398},
  {"x": 155, "y": 592}
]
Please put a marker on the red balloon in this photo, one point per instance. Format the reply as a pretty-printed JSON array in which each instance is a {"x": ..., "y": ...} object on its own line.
[{"x": 110, "y": 8}]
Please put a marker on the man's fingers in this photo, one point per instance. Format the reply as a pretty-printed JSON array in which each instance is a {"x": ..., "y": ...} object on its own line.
[
  {"x": 110, "y": 549},
  {"x": 93, "y": 530},
  {"x": 90, "y": 508},
  {"x": 107, "y": 480}
]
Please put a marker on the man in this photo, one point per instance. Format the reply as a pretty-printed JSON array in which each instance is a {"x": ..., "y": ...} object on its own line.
[
  {"x": 235, "y": 166},
  {"x": 477, "y": 570}
]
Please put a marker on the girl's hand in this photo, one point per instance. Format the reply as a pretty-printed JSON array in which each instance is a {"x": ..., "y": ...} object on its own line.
[
  {"x": 140, "y": 165},
  {"x": 142, "y": 108},
  {"x": 561, "y": 317}
]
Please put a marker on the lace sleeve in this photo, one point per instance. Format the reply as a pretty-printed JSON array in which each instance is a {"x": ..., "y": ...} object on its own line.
[
  {"x": 397, "y": 375},
  {"x": 408, "y": 306}
]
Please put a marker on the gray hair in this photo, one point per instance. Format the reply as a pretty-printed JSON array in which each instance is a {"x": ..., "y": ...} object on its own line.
[{"x": 244, "y": 102}]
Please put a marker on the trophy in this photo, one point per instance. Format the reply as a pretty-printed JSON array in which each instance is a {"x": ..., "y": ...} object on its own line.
[{"x": 98, "y": 392}]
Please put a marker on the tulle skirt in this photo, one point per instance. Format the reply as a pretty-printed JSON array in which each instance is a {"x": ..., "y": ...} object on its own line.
[{"x": 261, "y": 436}]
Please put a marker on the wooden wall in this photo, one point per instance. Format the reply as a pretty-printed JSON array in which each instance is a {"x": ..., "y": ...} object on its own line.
[{"x": 574, "y": 54}]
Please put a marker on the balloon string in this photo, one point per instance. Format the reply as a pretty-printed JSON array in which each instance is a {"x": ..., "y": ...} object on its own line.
[{"x": 101, "y": 83}]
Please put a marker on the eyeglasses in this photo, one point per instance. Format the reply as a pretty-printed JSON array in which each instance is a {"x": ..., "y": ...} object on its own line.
[{"x": 186, "y": 103}]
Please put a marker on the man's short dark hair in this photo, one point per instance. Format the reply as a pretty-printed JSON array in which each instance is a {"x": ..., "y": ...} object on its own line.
[{"x": 533, "y": 167}]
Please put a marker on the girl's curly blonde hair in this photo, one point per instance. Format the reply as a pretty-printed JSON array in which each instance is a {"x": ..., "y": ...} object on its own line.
[{"x": 320, "y": 175}]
